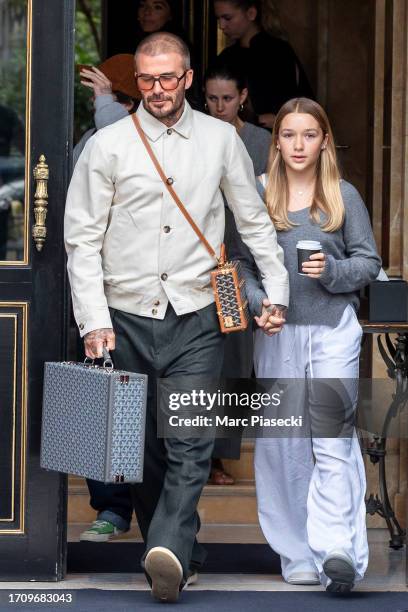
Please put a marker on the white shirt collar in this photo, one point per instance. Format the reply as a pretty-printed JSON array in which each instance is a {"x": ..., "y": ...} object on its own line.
[{"x": 154, "y": 128}]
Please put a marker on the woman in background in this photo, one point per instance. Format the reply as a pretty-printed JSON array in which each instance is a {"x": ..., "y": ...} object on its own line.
[
  {"x": 311, "y": 490},
  {"x": 273, "y": 72},
  {"x": 159, "y": 16},
  {"x": 226, "y": 93}
]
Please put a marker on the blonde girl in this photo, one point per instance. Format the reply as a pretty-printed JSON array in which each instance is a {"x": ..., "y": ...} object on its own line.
[{"x": 311, "y": 489}]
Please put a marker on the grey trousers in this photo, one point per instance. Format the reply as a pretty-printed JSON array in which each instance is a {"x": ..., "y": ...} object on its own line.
[{"x": 175, "y": 470}]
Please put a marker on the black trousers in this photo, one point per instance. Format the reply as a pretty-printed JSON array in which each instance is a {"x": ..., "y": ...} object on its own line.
[{"x": 175, "y": 470}]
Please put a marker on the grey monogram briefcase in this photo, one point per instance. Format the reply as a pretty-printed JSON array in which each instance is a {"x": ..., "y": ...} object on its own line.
[{"x": 93, "y": 421}]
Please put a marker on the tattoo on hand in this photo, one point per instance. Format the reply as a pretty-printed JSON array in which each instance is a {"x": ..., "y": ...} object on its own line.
[
  {"x": 277, "y": 309},
  {"x": 98, "y": 334}
]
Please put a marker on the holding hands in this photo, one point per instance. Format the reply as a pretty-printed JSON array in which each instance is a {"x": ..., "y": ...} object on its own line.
[
  {"x": 272, "y": 318},
  {"x": 314, "y": 268}
]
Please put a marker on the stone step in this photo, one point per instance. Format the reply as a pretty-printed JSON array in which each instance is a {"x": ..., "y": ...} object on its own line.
[
  {"x": 235, "y": 504},
  {"x": 232, "y": 504},
  {"x": 239, "y": 534}
]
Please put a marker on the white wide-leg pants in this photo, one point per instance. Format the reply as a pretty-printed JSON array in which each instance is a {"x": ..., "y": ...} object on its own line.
[{"x": 311, "y": 492}]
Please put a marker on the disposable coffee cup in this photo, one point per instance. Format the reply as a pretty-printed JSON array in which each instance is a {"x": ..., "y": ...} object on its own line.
[{"x": 306, "y": 248}]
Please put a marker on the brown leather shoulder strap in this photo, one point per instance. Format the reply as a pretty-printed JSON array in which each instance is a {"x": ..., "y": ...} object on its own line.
[{"x": 170, "y": 188}]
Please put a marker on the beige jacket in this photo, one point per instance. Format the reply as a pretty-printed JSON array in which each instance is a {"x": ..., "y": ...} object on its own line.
[{"x": 128, "y": 245}]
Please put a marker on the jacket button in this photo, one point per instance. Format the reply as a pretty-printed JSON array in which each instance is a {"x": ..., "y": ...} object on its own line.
[
  {"x": 169, "y": 131},
  {"x": 154, "y": 311},
  {"x": 81, "y": 326},
  {"x": 157, "y": 303},
  {"x": 164, "y": 276},
  {"x": 166, "y": 229},
  {"x": 170, "y": 180}
]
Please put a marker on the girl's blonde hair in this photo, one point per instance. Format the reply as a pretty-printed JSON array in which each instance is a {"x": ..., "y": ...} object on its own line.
[{"x": 327, "y": 196}]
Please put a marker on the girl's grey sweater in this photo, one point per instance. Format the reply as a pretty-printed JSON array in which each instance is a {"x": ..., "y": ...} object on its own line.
[{"x": 352, "y": 262}]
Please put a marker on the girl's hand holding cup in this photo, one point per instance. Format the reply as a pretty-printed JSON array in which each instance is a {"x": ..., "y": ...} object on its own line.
[
  {"x": 314, "y": 268},
  {"x": 311, "y": 259}
]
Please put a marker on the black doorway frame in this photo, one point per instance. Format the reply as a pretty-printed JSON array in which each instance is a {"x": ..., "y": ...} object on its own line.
[{"x": 34, "y": 548}]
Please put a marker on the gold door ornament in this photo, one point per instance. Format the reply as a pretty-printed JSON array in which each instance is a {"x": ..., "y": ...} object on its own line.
[{"x": 41, "y": 174}]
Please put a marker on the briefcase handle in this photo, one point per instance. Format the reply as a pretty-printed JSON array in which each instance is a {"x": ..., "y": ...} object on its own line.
[{"x": 107, "y": 359}]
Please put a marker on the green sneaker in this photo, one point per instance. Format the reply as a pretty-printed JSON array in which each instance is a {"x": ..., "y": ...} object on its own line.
[{"x": 100, "y": 531}]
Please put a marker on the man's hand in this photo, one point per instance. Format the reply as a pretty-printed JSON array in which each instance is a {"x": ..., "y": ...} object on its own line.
[
  {"x": 272, "y": 318},
  {"x": 96, "y": 80},
  {"x": 314, "y": 268},
  {"x": 95, "y": 340}
]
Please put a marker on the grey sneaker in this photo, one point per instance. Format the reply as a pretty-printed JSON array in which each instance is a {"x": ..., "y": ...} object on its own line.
[
  {"x": 340, "y": 569},
  {"x": 100, "y": 531},
  {"x": 166, "y": 573}
]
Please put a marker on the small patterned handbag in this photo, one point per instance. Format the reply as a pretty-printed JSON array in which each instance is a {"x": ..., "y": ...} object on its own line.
[
  {"x": 227, "y": 280},
  {"x": 229, "y": 291},
  {"x": 93, "y": 421}
]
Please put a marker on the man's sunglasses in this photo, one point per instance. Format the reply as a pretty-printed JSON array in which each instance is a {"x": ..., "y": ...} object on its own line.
[{"x": 145, "y": 82}]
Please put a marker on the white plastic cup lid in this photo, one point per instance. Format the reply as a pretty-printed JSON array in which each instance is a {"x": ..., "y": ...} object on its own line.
[{"x": 309, "y": 245}]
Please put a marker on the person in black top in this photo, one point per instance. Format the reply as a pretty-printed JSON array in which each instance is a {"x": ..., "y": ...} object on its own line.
[
  {"x": 272, "y": 69},
  {"x": 158, "y": 16}
]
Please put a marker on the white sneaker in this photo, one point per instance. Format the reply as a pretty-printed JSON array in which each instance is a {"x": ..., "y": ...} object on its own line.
[
  {"x": 166, "y": 573},
  {"x": 192, "y": 578},
  {"x": 306, "y": 578}
]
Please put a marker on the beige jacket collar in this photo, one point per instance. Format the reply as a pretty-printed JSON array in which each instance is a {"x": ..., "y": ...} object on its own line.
[{"x": 154, "y": 128}]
